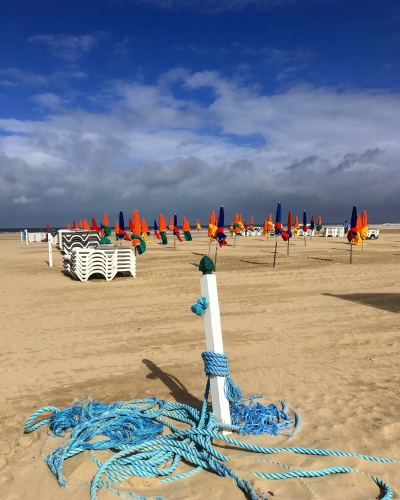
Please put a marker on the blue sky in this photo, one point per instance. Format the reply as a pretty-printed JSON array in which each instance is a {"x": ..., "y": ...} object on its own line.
[{"x": 184, "y": 105}]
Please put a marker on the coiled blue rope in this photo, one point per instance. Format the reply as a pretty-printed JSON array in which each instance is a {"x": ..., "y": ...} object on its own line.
[
  {"x": 135, "y": 429},
  {"x": 200, "y": 307}
]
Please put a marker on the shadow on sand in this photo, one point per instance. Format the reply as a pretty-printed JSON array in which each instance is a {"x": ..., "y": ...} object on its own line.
[
  {"x": 385, "y": 301},
  {"x": 177, "y": 390}
]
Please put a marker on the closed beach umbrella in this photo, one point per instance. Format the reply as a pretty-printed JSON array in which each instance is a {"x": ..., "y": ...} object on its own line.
[
  {"x": 130, "y": 225},
  {"x": 352, "y": 234},
  {"x": 312, "y": 224},
  {"x": 156, "y": 233},
  {"x": 289, "y": 224},
  {"x": 220, "y": 235},
  {"x": 86, "y": 226},
  {"x": 95, "y": 227},
  {"x": 176, "y": 230},
  {"x": 145, "y": 228},
  {"x": 162, "y": 225},
  {"x": 47, "y": 227},
  {"x": 364, "y": 226},
  {"x": 305, "y": 226},
  {"x": 278, "y": 219},
  {"x": 121, "y": 222},
  {"x": 162, "y": 228}
]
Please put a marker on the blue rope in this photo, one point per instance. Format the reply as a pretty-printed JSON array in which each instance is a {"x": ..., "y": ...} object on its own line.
[
  {"x": 135, "y": 430},
  {"x": 200, "y": 307}
]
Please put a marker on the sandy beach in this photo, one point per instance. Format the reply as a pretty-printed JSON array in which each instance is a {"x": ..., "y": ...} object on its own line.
[{"x": 316, "y": 332}]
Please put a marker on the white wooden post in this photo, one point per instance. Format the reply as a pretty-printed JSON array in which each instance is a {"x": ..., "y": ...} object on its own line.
[
  {"x": 212, "y": 326},
  {"x": 49, "y": 238}
]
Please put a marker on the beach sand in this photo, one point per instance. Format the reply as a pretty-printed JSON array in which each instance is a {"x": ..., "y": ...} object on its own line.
[{"x": 316, "y": 332}]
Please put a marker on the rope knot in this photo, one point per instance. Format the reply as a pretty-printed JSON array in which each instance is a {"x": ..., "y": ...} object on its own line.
[
  {"x": 216, "y": 363},
  {"x": 200, "y": 307}
]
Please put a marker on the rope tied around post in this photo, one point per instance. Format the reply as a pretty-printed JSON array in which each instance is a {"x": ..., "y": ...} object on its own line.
[
  {"x": 217, "y": 364},
  {"x": 200, "y": 307}
]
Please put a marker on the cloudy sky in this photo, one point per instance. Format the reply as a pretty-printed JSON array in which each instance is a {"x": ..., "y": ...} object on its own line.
[{"x": 184, "y": 105}]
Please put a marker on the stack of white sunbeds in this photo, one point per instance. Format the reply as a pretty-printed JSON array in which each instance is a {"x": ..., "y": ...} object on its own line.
[{"x": 106, "y": 260}]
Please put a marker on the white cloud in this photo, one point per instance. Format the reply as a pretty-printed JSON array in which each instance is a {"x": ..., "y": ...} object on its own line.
[
  {"x": 49, "y": 100},
  {"x": 13, "y": 76},
  {"x": 67, "y": 47},
  {"x": 153, "y": 150},
  {"x": 22, "y": 200},
  {"x": 55, "y": 192},
  {"x": 215, "y": 6}
]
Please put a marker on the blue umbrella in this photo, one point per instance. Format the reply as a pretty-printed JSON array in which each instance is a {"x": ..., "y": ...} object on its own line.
[
  {"x": 176, "y": 230},
  {"x": 353, "y": 226},
  {"x": 121, "y": 222},
  {"x": 220, "y": 235},
  {"x": 278, "y": 219},
  {"x": 121, "y": 225},
  {"x": 155, "y": 225},
  {"x": 305, "y": 227}
]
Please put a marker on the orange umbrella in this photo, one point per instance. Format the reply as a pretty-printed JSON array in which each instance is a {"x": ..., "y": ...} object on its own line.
[
  {"x": 212, "y": 224},
  {"x": 145, "y": 229},
  {"x": 137, "y": 228},
  {"x": 359, "y": 223},
  {"x": 319, "y": 221},
  {"x": 171, "y": 223},
  {"x": 236, "y": 218},
  {"x": 86, "y": 225},
  {"x": 105, "y": 220},
  {"x": 81, "y": 224},
  {"x": 185, "y": 225},
  {"x": 130, "y": 225},
  {"x": 364, "y": 226},
  {"x": 116, "y": 227},
  {"x": 68, "y": 226},
  {"x": 162, "y": 225},
  {"x": 364, "y": 219},
  {"x": 270, "y": 224},
  {"x": 95, "y": 227},
  {"x": 75, "y": 225},
  {"x": 296, "y": 222}
]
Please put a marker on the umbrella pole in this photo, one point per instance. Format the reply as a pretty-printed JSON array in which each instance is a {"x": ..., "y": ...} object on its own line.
[
  {"x": 50, "y": 251},
  {"x": 351, "y": 252},
  {"x": 276, "y": 248},
  {"x": 209, "y": 247},
  {"x": 288, "y": 247},
  {"x": 305, "y": 241},
  {"x": 174, "y": 242},
  {"x": 216, "y": 255}
]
